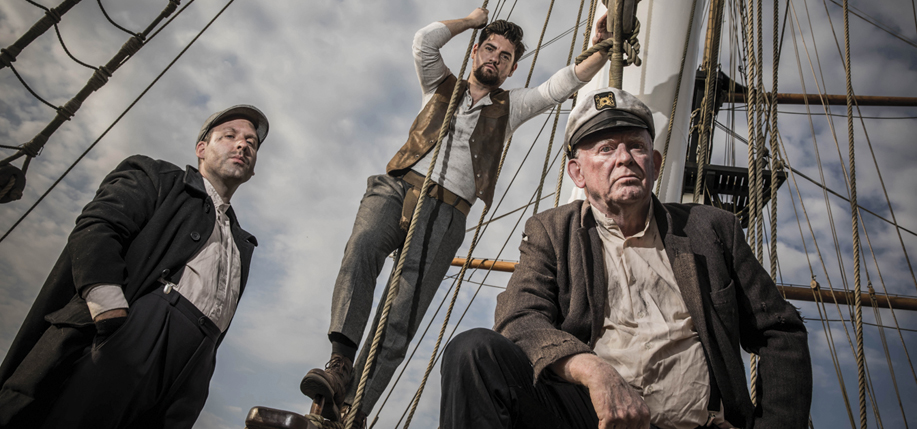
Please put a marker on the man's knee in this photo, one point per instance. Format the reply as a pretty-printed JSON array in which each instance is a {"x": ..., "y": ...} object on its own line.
[{"x": 477, "y": 346}]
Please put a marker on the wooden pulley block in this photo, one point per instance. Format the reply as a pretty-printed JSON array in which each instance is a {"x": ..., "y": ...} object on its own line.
[
  {"x": 270, "y": 418},
  {"x": 630, "y": 15}
]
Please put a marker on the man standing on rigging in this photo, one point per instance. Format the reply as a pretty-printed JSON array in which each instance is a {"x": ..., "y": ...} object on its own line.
[
  {"x": 465, "y": 171},
  {"x": 125, "y": 329},
  {"x": 625, "y": 312}
]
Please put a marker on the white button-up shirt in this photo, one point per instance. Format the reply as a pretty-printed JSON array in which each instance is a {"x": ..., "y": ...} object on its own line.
[
  {"x": 649, "y": 336},
  {"x": 453, "y": 168}
]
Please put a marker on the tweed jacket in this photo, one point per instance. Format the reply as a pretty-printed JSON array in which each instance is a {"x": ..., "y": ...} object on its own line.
[
  {"x": 147, "y": 216},
  {"x": 554, "y": 305}
]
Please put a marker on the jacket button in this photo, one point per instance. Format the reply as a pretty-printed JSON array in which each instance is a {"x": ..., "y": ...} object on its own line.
[
  {"x": 195, "y": 236},
  {"x": 475, "y": 156},
  {"x": 201, "y": 321},
  {"x": 206, "y": 208},
  {"x": 479, "y": 175},
  {"x": 480, "y": 192}
]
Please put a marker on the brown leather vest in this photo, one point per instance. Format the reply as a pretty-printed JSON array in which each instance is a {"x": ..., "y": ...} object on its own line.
[{"x": 486, "y": 140}]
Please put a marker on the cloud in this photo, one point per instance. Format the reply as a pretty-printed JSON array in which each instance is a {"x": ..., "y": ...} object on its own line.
[{"x": 337, "y": 81}]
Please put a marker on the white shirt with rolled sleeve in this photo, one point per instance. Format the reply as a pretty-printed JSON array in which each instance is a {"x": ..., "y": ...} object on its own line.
[{"x": 524, "y": 104}]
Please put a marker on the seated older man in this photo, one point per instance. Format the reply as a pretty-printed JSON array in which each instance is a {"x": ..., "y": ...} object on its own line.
[{"x": 625, "y": 312}]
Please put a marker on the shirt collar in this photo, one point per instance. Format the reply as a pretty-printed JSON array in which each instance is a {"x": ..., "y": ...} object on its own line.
[
  {"x": 484, "y": 101},
  {"x": 217, "y": 200},
  {"x": 609, "y": 224}
]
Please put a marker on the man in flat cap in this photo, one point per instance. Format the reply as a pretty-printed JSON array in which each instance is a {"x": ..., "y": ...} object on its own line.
[
  {"x": 628, "y": 313},
  {"x": 125, "y": 329}
]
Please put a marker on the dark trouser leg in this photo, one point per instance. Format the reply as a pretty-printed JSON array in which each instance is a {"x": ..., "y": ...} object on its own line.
[
  {"x": 439, "y": 234},
  {"x": 376, "y": 234},
  {"x": 152, "y": 372},
  {"x": 487, "y": 383}
]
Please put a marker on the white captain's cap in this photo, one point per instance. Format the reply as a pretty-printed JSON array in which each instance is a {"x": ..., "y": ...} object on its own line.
[{"x": 606, "y": 108}]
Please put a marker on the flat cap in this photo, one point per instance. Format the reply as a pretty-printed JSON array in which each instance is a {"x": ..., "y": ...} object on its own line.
[
  {"x": 606, "y": 108},
  {"x": 258, "y": 119}
]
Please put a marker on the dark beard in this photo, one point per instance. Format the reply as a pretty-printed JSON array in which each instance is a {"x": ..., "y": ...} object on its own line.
[{"x": 486, "y": 79}]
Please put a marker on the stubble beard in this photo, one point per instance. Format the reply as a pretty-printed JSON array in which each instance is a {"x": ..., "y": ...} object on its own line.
[{"x": 487, "y": 79}]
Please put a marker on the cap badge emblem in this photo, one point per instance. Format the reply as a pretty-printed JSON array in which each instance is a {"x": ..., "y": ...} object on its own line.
[{"x": 605, "y": 100}]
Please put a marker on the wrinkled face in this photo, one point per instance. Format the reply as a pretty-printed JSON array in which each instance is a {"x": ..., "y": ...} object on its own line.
[
  {"x": 616, "y": 167},
  {"x": 231, "y": 153},
  {"x": 493, "y": 60}
]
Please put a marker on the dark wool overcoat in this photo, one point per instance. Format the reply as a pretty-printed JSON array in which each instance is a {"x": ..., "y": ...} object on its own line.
[
  {"x": 554, "y": 305},
  {"x": 147, "y": 216}
]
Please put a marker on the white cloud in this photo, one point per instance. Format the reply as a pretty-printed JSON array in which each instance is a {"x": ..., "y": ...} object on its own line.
[{"x": 337, "y": 81}]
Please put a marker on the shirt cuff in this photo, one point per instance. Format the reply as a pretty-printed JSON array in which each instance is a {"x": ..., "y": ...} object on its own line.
[{"x": 104, "y": 297}]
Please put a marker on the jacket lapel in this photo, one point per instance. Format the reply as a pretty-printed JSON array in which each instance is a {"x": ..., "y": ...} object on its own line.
[
  {"x": 593, "y": 269},
  {"x": 678, "y": 249}
]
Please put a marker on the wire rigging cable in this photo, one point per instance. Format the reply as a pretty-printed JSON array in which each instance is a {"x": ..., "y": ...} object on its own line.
[{"x": 136, "y": 100}]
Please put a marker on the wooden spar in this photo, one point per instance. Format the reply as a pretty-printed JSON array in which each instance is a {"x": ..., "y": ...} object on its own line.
[
  {"x": 790, "y": 292},
  {"x": 831, "y": 99},
  {"x": 487, "y": 264}
]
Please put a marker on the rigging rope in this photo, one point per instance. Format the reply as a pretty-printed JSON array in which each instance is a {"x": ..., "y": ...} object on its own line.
[
  {"x": 52, "y": 17},
  {"x": 875, "y": 161},
  {"x": 104, "y": 133},
  {"x": 99, "y": 78},
  {"x": 681, "y": 73},
  {"x": 714, "y": 27},
  {"x": 855, "y": 221},
  {"x": 547, "y": 155},
  {"x": 474, "y": 242},
  {"x": 392, "y": 290},
  {"x": 499, "y": 203},
  {"x": 759, "y": 134},
  {"x": 563, "y": 163},
  {"x": 888, "y": 359},
  {"x": 776, "y": 164}
]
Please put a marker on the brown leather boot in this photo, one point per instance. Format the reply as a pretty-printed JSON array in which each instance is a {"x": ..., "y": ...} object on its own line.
[{"x": 330, "y": 383}]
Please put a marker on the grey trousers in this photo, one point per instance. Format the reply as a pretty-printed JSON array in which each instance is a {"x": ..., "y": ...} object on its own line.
[{"x": 376, "y": 233}]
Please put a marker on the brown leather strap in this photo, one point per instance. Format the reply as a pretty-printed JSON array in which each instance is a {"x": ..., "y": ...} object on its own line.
[
  {"x": 436, "y": 191},
  {"x": 407, "y": 210}
]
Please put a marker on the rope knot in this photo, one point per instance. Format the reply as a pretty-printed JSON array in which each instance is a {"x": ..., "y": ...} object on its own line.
[
  {"x": 99, "y": 78},
  {"x": 133, "y": 45},
  {"x": 8, "y": 55},
  {"x": 53, "y": 15},
  {"x": 69, "y": 110},
  {"x": 33, "y": 147}
]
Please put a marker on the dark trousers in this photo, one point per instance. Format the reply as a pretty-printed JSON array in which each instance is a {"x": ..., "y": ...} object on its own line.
[
  {"x": 153, "y": 372},
  {"x": 487, "y": 383}
]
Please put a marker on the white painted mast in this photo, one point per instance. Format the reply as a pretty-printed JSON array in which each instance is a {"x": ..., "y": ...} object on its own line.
[{"x": 664, "y": 25}]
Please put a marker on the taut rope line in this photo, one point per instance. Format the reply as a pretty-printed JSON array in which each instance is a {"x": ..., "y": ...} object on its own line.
[
  {"x": 855, "y": 226},
  {"x": 396, "y": 276}
]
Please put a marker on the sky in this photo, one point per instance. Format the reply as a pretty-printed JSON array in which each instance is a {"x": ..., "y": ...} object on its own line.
[{"x": 337, "y": 81}]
